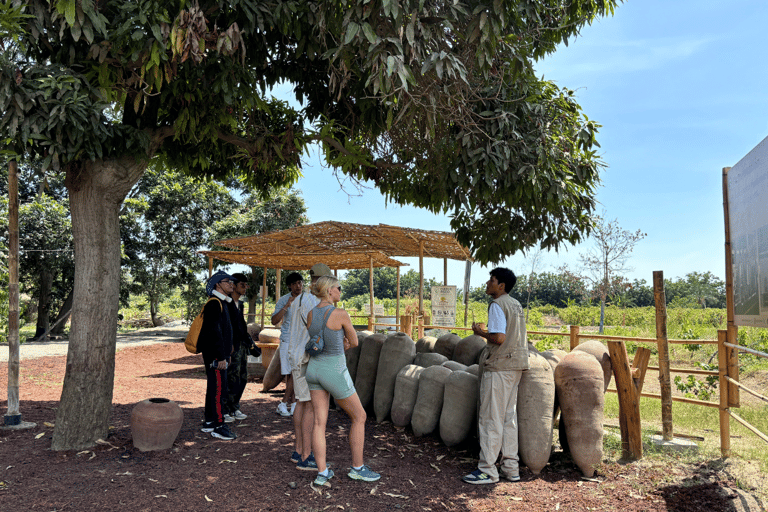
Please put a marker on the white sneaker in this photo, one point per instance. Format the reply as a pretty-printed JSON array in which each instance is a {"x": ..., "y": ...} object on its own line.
[
  {"x": 282, "y": 409},
  {"x": 228, "y": 418},
  {"x": 239, "y": 415},
  {"x": 293, "y": 408}
]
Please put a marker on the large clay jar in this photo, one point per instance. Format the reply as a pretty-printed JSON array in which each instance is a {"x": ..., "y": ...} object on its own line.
[
  {"x": 406, "y": 392},
  {"x": 367, "y": 366},
  {"x": 426, "y": 344},
  {"x": 155, "y": 423},
  {"x": 426, "y": 359},
  {"x": 459, "y": 413},
  {"x": 600, "y": 351},
  {"x": 429, "y": 400},
  {"x": 353, "y": 354},
  {"x": 398, "y": 351},
  {"x": 579, "y": 382},
  {"x": 535, "y": 401},
  {"x": 467, "y": 351},
  {"x": 446, "y": 344}
]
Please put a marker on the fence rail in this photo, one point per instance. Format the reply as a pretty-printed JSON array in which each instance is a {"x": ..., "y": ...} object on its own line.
[{"x": 727, "y": 367}]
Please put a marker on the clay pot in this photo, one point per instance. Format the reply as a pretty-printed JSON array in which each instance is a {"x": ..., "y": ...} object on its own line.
[{"x": 155, "y": 423}]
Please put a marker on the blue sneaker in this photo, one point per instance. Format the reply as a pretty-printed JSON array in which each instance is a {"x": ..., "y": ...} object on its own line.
[
  {"x": 321, "y": 480},
  {"x": 308, "y": 464},
  {"x": 295, "y": 458},
  {"x": 365, "y": 474},
  {"x": 478, "y": 477}
]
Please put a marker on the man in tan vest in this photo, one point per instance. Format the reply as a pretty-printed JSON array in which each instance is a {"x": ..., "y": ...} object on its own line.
[{"x": 503, "y": 362}]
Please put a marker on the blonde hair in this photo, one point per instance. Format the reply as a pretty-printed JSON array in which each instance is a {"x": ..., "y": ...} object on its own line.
[{"x": 321, "y": 288}]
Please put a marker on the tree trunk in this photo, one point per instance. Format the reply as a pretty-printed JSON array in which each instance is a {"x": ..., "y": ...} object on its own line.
[
  {"x": 64, "y": 312},
  {"x": 96, "y": 191},
  {"x": 602, "y": 315},
  {"x": 44, "y": 305}
]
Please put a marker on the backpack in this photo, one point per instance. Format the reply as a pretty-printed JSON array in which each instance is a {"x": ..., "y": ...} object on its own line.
[{"x": 194, "y": 330}]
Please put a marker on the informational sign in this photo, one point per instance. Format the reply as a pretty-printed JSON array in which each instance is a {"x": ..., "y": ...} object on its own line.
[
  {"x": 378, "y": 309},
  {"x": 444, "y": 306},
  {"x": 747, "y": 185}
]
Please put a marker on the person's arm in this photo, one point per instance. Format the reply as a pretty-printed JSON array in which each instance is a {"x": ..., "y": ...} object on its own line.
[
  {"x": 496, "y": 323},
  {"x": 350, "y": 334},
  {"x": 279, "y": 314}
]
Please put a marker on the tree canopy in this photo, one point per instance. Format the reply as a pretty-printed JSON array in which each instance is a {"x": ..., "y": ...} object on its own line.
[{"x": 435, "y": 103}]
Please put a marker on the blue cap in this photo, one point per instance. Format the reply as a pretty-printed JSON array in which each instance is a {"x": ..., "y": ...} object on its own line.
[{"x": 214, "y": 280}]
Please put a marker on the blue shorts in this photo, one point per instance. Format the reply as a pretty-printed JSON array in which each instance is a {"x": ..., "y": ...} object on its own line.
[{"x": 330, "y": 374}]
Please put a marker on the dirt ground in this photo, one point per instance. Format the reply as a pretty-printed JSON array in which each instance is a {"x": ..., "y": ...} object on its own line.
[{"x": 253, "y": 472}]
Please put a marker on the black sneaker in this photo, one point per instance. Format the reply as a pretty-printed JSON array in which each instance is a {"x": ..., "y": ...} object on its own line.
[
  {"x": 208, "y": 426},
  {"x": 223, "y": 432}
]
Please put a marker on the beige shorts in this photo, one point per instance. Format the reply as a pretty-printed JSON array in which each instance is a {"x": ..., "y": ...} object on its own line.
[{"x": 300, "y": 386}]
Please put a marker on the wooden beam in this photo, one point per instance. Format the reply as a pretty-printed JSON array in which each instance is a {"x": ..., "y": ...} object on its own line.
[
  {"x": 725, "y": 419},
  {"x": 397, "y": 304},
  {"x": 421, "y": 280},
  {"x": 629, "y": 383},
  {"x": 732, "y": 330},
  {"x": 372, "y": 316},
  {"x": 13, "y": 416},
  {"x": 665, "y": 381},
  {"x": 263, "y": 297}
]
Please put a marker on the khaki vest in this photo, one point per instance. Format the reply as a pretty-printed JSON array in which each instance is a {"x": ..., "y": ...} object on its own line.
[{"x": 513, "y": 353}]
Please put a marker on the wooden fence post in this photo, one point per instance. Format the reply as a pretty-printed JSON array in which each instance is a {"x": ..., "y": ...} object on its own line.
[
  {"x": 629, "y": 385},
  {"x": 13, "y": 416},
  {"x": 574, "y": 336},
  {"x": 725, "y": 418},
  {"x": 665, "y": 381}
]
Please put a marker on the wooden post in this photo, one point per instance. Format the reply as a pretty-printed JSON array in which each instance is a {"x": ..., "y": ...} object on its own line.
[
  {"x": 372, "y": 315},
  {"x": 732, "y": 330},
  {"x": 210, "y": 267},
  {"x": 263, "y": 297},
  {"x": 397, "y": 304},
  {"x": 725, "y": 418},
  {"x": 467, "y": 274},
  {"x": 445, "y": 271},
  {"x": 629, "y": 384},
  {"x": 574, "y": 336},
  {"x": 421, "y": 283},
  {"x": 733, "y": 366},
  {"x": 277, "y": 284},
  {"x": 665, "y": 381},
  {"x": 406, "y": 324},
  {"x": 421, "y": 326},
  {"x": 13, "y": 416}
]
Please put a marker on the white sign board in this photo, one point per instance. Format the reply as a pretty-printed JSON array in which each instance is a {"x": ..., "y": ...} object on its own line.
[
  {"x": 378, "y": 309},
  {"x": 444, "y": 306},
  {"x": 748, "y": 216}
]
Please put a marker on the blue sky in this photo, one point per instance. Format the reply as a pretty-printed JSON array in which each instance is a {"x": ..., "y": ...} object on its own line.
[{"x": 680, "y": 89}]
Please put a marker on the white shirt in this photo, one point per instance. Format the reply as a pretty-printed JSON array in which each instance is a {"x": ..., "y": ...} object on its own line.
[
  {"x": 497, "y": 322},
  {"x": 298, "y": 335}
]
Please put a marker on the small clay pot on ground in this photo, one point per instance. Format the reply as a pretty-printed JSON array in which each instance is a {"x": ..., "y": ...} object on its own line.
[{"x": 155, "y": 423}]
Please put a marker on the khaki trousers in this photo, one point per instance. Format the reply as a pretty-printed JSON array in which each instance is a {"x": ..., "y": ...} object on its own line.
[{"x": 498, "y": 422}]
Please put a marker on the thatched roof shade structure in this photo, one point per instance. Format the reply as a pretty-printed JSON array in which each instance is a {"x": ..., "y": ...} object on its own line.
[
  {"x": 341, "y": 245},
  {"x": 304, "y": 261},
  {"x": 332, "y": 237}
]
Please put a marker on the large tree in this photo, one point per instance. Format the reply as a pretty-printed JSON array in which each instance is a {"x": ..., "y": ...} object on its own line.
[
  {"x": 164, "y": 222},
  {"x": 434, "y": 102}
]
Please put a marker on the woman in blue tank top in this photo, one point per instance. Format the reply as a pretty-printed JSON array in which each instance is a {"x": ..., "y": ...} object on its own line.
[{"x": 327, "y": 375}]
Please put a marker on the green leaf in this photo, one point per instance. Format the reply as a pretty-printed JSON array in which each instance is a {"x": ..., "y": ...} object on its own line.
[{"x": 352, "y": 30}]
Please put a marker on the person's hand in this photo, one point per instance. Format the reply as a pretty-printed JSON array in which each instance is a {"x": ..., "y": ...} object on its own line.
[
  {"x": 222, "y": 365},
  {"x": 478, "y": 328}
]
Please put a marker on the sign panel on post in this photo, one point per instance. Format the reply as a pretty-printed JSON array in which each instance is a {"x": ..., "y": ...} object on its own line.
[
  {"x": 378, "y": 309},
  {"x": 444, "y": 306},
  {"x": 748, "y": 218}
]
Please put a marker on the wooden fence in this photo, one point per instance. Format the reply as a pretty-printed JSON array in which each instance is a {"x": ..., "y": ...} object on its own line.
[{"x": 728, "y": 373}]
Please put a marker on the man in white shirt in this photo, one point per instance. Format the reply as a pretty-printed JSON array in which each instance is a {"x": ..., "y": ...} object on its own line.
[{"x": 503, "y": 362}]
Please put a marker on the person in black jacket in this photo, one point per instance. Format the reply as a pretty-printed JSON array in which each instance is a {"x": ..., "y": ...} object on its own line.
[
  {"x": 216, "y": 344},
  {"x": 237, "y": 372}
]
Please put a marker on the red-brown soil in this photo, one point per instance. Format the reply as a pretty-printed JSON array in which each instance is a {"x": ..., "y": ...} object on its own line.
[{"x": 253, "y": 473}]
